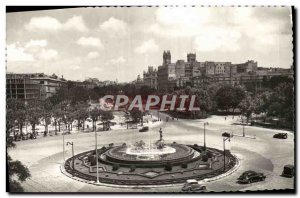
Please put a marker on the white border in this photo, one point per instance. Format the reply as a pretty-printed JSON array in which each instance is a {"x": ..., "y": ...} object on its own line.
[{"x": 3, "y": 3}]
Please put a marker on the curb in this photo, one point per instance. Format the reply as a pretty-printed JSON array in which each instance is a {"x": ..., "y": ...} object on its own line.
[{"x": 229, "y": 172}]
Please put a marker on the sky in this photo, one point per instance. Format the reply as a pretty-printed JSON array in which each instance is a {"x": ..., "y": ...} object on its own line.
[{"x": 112, "y": 43}]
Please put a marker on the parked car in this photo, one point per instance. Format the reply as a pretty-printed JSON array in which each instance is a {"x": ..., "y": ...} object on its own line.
[
  {"x": 251, "y": 177},
  {"x": 288, "y": 171},
  {"x": 193, "y": 185},
  {"x": 144, "y": 129},
  {"x": 280, "y": 135}
]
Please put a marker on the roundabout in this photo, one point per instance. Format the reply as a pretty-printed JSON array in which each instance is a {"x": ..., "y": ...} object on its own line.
[{"x": 135, "y": 166}]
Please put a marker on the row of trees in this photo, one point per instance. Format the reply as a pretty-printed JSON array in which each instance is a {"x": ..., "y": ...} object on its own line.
[{"x": 64, "y": 113}]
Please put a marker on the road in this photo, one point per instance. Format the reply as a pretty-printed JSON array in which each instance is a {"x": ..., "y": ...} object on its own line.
[{"x": 257, "y": 151}]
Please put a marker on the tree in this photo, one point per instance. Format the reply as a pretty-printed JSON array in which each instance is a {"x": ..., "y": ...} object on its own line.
[
  {"x": 81, "y": 113},
  {"x": 106, "y": 116},
  {"x": 95, "y": 114},
  {"x": 17, "y": 172},
  {"x": 47, "y": 112},
  {"x": 58, "y": 115},
  {"x": 136, "y": 115},
  {"x": 229, "y": 97},
  {"x": 34, "y": 114}
]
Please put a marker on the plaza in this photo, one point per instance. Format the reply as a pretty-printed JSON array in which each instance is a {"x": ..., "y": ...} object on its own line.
[{"x": 257, "y": 151}]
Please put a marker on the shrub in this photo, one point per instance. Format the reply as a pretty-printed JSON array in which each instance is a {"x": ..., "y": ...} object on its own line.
[
  {"x": 209, "y": 154},
  {"x": 132, "y": 168},
  {"x": 124, "y": 144},
  {"x": 204, "y": 157},
  {"x": 111, "y": 145},
  {"x": 168, "y": 167},
  {"x": 184, "y": 165},
  {"x": 115, "y": 167},
  {"x": 92, "y": 160},
  {"x": 90, "y": 157},
  {"x": 103, "y": 148}
]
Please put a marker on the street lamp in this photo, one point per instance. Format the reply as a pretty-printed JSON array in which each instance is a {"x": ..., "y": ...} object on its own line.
[
  {"x": 97, "y": 170},
  {"x": 63, "y": 147},
  {"x": 73, "y": 160},
  {"x": 226, "y": 136},
  {"x": 205, "y": 123},
  {"x": 243, "y": 126}
]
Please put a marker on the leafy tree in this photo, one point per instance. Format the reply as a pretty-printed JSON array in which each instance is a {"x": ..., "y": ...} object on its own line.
[
  {"x": 17, "y": 172},
  {"x": 136, "y": 115},
  {"x": 106, "y": 116},
  {"x": 34, "y": 114},
  {"x": 229, "y": 97},
  {"x": 81, "y": 113},
  {"x": 47, "y": 112},
  {"x": 95, "y": 114}
]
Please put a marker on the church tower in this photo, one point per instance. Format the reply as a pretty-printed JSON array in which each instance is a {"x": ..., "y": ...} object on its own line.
[{"x": 166, "y": 57}]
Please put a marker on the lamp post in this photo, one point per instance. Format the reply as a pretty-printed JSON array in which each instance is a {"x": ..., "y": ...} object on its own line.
[
  {"x": 226, "y": 136},
  {"x": 63, "y": 147},
  {"x": 205, "y": 123},
  {"x": 243, "y": 126},
  {"x": 97, "y": 170},
  {"x": 73, "y": 160}
]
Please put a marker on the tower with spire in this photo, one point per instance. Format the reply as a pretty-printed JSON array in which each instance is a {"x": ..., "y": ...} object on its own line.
[{"x": 166, "y": 57}]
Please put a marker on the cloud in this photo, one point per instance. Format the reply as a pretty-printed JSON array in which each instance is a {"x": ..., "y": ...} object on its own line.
[
  {"x": 52, "y": 24},
  {"x": 30, "y": 51},
  {"x": 76, "y": 23},
  {"x": 118, "y": 60},
  {"x": 48, "y": 54},
  {"x": 223, "y": 39},
  {"x": 222, "y": 28},
  {"x": 147, "y": 47},
  {"x": 92, "y": 55},
  {"x": 41, "y": 43},
  {"x": 115, "y": 26},
  {"x": 90, "y": 41},
  {"x": 17, "y": 53},
  {"x": 96, "y": 69}
]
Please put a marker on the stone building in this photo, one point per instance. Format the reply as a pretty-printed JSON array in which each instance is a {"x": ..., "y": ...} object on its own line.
[{"x": 150, "y": 77}]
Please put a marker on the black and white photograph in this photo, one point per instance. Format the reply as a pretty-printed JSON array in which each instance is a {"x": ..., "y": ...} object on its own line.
[{"x": 150, "y": 99}]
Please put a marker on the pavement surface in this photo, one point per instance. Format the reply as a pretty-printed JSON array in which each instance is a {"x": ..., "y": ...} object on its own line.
[{"x": 258, "y": 151}]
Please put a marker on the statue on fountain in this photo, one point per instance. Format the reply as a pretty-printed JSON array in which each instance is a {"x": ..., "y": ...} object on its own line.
[{"x": 160, "y": 143}]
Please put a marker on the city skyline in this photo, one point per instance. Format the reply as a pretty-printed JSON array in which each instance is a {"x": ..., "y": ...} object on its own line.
[{"x": 121, "y": 44}]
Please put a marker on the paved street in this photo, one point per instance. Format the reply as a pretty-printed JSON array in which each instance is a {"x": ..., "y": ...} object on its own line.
[{"x": 259, "y": 152}]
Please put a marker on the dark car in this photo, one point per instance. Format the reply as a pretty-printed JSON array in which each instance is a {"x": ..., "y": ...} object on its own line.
[
  {"x": 280, "y": 135},
  {"x": 288, "y": 171},
  {"x": 250, "y": 177},
  {"x": 193, "y": 185},
  {"x": 144, "y": 129}
]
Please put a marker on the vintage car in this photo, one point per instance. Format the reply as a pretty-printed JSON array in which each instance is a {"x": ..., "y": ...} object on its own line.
[
  {"x": 193, "y": 185},
  {"x": 288, "y": 171},
  {"x": 280, "y": 135},
  {"x": 250, "y": 177},
  {"x": 144, "y": 129}
]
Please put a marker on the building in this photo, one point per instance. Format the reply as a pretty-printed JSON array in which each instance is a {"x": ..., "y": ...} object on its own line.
[
  {"x": 20, "y": 86},
  {"x": 150, "y": 77},
  {"x": 194, "y": 73},
  {"x": 49, "y": 84},
  {"x": 249, "y": 66},
  {"x": 32, "y": 85}
]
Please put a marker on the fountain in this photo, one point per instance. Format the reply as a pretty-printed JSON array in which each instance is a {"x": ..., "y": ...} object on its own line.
[{"x": 150, "y": 163}]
